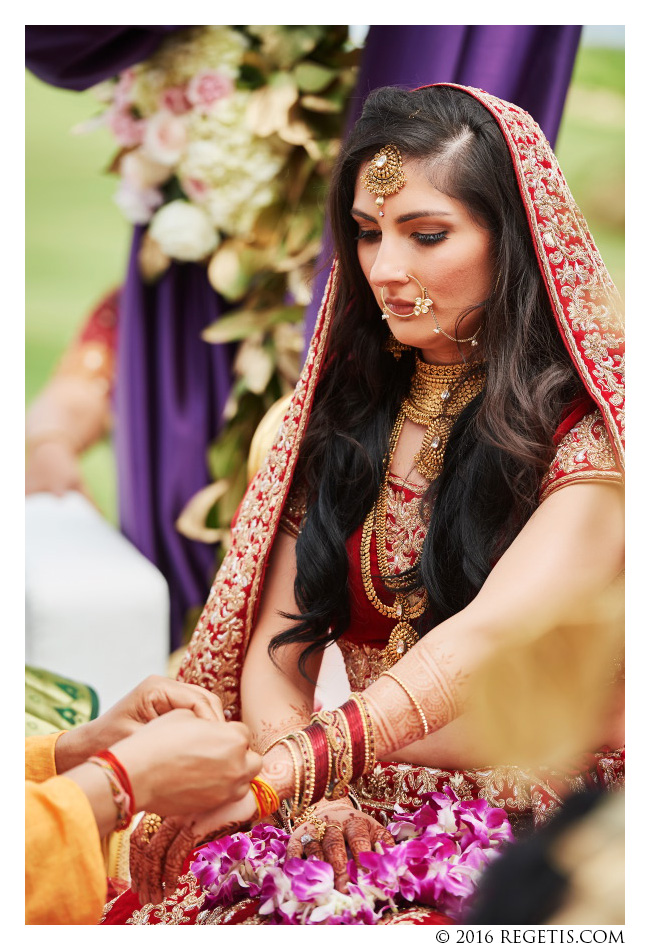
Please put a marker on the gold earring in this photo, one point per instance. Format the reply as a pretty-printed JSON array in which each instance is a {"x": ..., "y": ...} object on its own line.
[
  {"x": 395, "y": 347},
  {"x": 421, "y": 305}
]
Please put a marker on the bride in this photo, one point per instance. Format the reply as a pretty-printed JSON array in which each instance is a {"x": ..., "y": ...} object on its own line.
[{"x": 450, "y": 465}]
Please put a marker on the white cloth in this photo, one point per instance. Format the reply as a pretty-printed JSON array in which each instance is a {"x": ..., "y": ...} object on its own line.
[{"x": 96, "y": 610}]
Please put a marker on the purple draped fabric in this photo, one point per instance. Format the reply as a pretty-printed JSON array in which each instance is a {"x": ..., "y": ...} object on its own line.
[
  {"x": 528, "y": 65},
  {"x": 170, "y": 390},
  {"x": 171, "y": 387},
  {"x": 77, "y": 57}
]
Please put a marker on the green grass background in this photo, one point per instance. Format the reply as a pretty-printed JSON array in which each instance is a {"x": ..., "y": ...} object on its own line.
[{"x": 77, "y": 241}]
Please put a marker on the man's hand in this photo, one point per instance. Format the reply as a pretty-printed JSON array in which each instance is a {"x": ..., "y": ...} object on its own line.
[
  {"x": 158, "y": 858},
  {"x": 154, "y": 697}
]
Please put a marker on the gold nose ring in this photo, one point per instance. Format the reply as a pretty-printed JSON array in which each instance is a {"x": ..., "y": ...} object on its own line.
[{"x": 421, "y": 305}]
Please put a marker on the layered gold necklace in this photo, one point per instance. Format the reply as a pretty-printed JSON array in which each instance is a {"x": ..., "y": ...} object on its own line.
[{"x": 437, "y": 396}]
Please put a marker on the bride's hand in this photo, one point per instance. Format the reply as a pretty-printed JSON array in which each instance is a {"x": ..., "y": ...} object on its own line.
[
  {"x": 347, "y": 827},
  {"x": 156, "y": 860}
]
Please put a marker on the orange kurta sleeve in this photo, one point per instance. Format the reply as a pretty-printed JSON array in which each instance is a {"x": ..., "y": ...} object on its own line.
[
  {"x": 39, "y": 757},
  {"x": 65, "y": 875}
]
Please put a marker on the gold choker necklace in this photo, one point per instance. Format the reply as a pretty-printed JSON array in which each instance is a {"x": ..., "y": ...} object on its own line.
[{"x": 437, "y": 397}]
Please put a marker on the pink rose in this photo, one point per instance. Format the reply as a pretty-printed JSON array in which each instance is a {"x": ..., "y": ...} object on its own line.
[
  {"x": 121, "y": 94},
  {"x": 175, "y": 100},
  {"x": 165, "y": 138},
  {"x": 128, "y": 130},
  {"x": 208, "y": 87},
  {"x": 195, "y": 189}
]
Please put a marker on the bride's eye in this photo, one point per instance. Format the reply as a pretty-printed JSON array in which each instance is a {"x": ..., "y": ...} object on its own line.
[
  {"x": 429, "y": 237},
  {"x": 368, "y": 235}
]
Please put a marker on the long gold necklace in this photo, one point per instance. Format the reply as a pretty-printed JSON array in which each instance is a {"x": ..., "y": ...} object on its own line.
[{"x": 437, "y": 396}]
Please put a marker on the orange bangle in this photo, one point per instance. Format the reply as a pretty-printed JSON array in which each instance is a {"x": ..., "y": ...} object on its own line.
[{"x": 266, "y": 798}]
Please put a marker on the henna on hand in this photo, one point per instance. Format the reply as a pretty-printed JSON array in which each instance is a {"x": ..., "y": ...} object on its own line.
[
  {"x": 334, "y": 852},
  {"x": 184, "y": 842},
  {"x": 382, "y": 836},
  {"x": 147, "y": 859},
  {"x": 357, "y": 834}
]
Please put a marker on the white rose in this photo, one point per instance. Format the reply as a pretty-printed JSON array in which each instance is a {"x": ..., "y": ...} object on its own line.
[
  {"x": 141, "y": 171},
  {"x": 183, "y": 231},
  {"x": 165, "y": 138}
]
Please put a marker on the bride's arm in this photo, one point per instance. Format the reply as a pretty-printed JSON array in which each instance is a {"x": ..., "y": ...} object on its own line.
[
  {"x": 276, "y": 699},
  {"x": 570, "y": 548}
]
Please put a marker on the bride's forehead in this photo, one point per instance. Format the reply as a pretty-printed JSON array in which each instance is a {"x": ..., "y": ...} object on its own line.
[{"x": 418, "y": 188}]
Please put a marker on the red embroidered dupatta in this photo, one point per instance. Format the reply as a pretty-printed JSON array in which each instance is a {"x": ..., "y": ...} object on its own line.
[{"x": 588, "y": 314}]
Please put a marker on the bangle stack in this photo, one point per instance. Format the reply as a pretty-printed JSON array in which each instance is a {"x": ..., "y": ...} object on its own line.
[
  {"x": 120, "y": 786},
  {"x": 265, "y": 797},
  {"x": 331, "y": 752}
]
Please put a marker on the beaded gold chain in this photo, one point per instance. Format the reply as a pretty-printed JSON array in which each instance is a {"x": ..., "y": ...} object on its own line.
[{"x": 437, "y": 396}]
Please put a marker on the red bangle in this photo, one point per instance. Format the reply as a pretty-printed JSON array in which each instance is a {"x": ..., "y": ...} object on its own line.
[
  {"x": 120, "y": 772},
  {"x": 357, "y": 734},
  {"x": 316, "y": 736},
  {"x": 123, "y": 801}
]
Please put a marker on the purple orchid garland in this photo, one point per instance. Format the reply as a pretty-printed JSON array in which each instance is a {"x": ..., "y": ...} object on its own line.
[{"x": 440, "y": 852}]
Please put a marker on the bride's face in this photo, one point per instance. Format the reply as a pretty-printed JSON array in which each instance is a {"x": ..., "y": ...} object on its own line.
[{"x": 431, "y": 236}]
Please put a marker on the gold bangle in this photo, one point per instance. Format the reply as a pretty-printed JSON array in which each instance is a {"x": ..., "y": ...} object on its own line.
[
  {"x": 309, "y": 763},
  {"x": 296, "y": 780},
  {"x": 272, "y": 745},
  {"x": 368, "y": 732},
  {"x": 412, "y": 698}
]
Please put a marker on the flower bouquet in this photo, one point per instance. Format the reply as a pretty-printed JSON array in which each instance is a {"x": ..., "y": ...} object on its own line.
[
  {"x": 440, "y": 853},
  {"x": 226, "y": 138}
]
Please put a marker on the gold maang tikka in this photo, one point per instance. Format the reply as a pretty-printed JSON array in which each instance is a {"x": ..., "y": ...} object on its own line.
[{"x": 384, "y": 175}]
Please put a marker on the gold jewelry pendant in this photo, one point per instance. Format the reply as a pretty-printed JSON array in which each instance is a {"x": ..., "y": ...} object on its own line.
[{"x": 402, "y": 638}]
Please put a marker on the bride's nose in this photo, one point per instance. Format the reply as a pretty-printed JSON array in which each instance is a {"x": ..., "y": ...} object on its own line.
[{"x": 384, "y": 272}]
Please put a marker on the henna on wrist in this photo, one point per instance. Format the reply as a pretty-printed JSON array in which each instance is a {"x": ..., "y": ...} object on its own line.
[
  {"x": 435, "y": 679},
  {"x": 277, "y": 769},
  {"x": 269, "y": 732}
]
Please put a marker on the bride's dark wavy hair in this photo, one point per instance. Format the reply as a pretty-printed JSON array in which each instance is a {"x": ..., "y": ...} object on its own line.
[{"x": 502, "y": 442}]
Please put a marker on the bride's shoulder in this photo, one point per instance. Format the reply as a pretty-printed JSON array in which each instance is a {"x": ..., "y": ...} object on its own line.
[{"x": 583, "y": 453}]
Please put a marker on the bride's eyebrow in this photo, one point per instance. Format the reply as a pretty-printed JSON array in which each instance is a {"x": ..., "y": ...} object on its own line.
[
  {"x": 361, "y": 214},
  {"x": 412, "y": 215}
]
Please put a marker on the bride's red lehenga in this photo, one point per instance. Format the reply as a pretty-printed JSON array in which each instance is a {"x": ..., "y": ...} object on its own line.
[{"x": 589, "y": 444}]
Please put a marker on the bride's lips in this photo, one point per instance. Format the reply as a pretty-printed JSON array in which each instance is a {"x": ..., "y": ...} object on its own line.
[{"x": 402, "y": 308}]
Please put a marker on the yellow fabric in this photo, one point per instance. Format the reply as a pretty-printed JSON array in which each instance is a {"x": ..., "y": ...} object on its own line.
[
  {"x": 65, "y": 876},
  {"x": 39, "y": 757}
]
